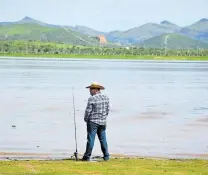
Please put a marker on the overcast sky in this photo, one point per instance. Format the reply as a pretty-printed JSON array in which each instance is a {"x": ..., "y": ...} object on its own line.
[{"x": 105, "y": 15}]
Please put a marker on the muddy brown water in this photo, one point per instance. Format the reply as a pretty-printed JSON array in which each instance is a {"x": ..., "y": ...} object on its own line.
[{"x": 158, "y": 108}]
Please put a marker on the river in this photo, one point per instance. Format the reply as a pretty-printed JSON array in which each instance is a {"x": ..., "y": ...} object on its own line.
[{"x": 158, "y": 108}]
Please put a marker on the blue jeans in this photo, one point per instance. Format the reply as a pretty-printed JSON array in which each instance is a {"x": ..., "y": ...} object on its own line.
[{"x": 92, "y": 130}]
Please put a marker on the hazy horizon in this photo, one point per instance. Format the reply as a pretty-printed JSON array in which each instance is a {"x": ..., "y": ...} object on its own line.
[{"x": 105, "y": 15}]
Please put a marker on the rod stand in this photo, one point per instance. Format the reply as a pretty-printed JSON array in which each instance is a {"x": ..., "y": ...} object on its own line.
[{"x": 76, "y": 155}]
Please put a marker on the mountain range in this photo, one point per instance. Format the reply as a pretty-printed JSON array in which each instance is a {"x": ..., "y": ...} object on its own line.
[{"x": 150, "y": 34}]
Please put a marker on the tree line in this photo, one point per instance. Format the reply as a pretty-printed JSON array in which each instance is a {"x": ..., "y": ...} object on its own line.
[{"x": 35, "y": 47}]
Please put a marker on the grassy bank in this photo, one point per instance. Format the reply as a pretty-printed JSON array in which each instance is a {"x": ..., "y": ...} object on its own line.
[
  {"x": 125, "y": 57},
  {"x": 114, "y": 166}
]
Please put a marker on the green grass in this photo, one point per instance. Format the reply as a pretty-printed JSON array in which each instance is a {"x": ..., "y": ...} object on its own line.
[
  {"x": 126, "y": 57},
  {"x": 114, "y": 166}
]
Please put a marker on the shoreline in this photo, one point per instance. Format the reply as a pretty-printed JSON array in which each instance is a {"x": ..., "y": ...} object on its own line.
[
  {"x": 106, "y": 57},
  {"x": 64, "y": 156}
]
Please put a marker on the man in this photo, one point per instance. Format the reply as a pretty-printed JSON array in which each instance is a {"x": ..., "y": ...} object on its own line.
[{"x": 95, "y": 116}]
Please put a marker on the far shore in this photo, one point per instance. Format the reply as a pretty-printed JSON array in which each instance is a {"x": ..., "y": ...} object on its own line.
[{"x": 109, "y": 57}]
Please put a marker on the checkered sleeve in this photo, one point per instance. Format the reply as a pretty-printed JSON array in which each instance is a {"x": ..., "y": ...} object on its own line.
[
  {"x": 108, "y": 106},
  {"x": 88, "y": 109}
]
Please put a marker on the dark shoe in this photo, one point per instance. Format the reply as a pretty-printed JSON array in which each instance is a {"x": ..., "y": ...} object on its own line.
[
  {"x": 85, "y": 159},
  {"x": 105, "y": 158}
]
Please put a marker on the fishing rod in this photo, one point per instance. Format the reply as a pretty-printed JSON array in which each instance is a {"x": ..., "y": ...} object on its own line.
[{"x": 75, "y": 153}]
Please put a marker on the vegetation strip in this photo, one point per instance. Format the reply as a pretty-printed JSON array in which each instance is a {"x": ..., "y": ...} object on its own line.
[{"x": 114, "y": 166}]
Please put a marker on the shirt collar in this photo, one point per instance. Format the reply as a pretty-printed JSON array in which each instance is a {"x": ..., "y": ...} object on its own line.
[{"x": 97, "y": 93}]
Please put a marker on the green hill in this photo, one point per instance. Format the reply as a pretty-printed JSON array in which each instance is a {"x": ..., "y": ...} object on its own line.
[
  {"x": 201, "y": 25},
  {"x": 86, "y": 30},
  {"x": 173, "y": 41},
  {"x": 167, "y": 23},
  {"x": 32, "y": 31},
  {"x": 147, "y": 31},
  {"x": 198, "y": 30}
]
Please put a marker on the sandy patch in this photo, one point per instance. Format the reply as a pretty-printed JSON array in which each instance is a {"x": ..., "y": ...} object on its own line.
[
  {"x": 198, "y": 125},
  {"x": 193, "y": 155},
  {"x": 151, "y": 115},
  {"x": 22, "y": 154},
  {"x": 204, "y": 119}
]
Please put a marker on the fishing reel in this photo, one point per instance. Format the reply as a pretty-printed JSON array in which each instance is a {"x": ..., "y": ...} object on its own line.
[{"x": 75, "y": 155}]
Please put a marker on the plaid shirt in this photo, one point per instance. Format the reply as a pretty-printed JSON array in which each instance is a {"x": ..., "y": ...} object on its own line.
[{"x": 97, "y": 109}]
